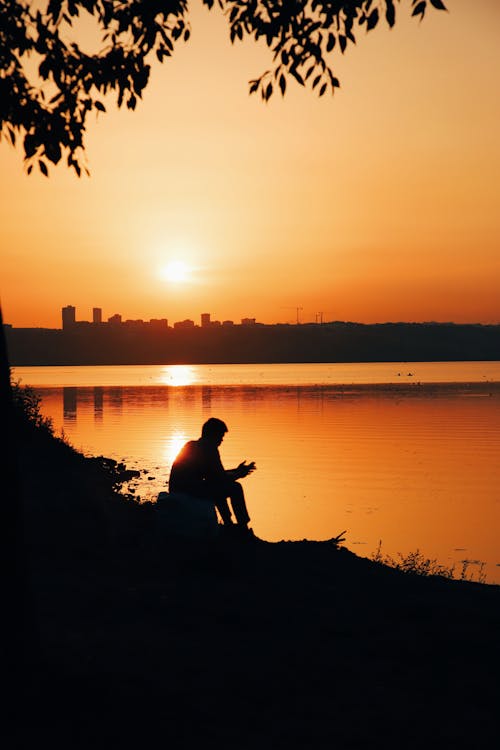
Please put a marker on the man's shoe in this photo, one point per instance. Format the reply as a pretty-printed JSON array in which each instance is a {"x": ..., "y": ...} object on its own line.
[{"x": 245, "y": 533}]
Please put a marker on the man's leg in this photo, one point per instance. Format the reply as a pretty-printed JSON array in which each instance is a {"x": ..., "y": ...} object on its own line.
[
  {"x": 233, "y": 491},
  {"x": 224, "y": 512},
  {"x": 238, "y": 504}
]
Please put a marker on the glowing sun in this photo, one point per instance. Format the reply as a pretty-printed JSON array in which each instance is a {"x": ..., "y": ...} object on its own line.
[{"x": 177, "y": 272}]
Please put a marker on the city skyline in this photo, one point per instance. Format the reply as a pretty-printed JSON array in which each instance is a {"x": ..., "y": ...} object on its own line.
[
  {"x": 68, "y": 319},
  {"x": 379, "y": 204}
]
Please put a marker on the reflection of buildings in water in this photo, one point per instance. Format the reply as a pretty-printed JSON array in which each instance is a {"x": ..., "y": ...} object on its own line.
[
  {"x": 115, "y": 399},
  {"x": 69, "y": 403},
  {"x": 185, "y": 394},
  {"x": 98, "y": 403},
  {"x": 206, "y": 398},
  {"x": 158, "y": 396}
]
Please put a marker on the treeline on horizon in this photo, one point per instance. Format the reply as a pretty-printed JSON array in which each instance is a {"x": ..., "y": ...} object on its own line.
[{"x": 328, "y": 342}]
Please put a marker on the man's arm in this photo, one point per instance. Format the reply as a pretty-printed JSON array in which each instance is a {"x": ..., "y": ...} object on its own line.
[{"x": 242, "y": 470}]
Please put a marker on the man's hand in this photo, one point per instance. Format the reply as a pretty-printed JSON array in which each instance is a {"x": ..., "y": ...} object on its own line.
[{"x": 245, "y": 469}]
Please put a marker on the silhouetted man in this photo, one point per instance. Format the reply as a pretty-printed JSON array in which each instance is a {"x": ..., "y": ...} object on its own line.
[{"x": 198, "y": 471}]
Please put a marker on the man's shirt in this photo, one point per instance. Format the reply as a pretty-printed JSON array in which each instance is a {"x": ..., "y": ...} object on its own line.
[{"x": 197, "y": 467}]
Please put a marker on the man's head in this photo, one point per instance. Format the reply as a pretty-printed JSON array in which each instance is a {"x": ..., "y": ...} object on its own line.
[{"x": 214, "y": 430}]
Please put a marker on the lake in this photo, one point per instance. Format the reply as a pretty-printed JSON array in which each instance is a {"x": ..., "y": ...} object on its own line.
[{"x": 405, "y": 454}]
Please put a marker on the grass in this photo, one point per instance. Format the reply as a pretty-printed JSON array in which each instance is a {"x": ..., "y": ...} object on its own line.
[{"x": 417, "y": 563}]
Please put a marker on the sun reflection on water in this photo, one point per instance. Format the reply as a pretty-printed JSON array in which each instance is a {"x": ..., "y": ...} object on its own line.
[
  {"x": 173, "y": 444},
  {"x": 178, "y": 375}
]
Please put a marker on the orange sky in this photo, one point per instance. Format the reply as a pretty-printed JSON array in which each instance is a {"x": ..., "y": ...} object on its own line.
[{"x": 381, "y": 203}]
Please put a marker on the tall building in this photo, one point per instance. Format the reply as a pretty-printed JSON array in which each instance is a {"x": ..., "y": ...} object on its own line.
[
  {"x": 68, "y": 316},
  {"x": 96, "y": 315},
  {"x": 205, "y": 320}
]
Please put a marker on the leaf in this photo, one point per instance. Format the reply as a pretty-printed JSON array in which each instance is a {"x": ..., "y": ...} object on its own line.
[
  {"x": 30, "y": 145},
  {"x": 100, "y": 106},
  {"x": 438, "y": 4},
  {"x": 282, "y": 83},
  {"x": 331, "y": 42},
  {"x": 44, "y": 68},
  {"x": 419, "y": 9},
  {"x": 309, "y": 71},
  {"x": 372, "y": 20},
  {"x": 297, "y": 76},
  {"x": 53, "y": 152},
  {"x": 390, "y": 13},
  {"x": 43, "y": 168},
  {"x": 322, "y": 89}
]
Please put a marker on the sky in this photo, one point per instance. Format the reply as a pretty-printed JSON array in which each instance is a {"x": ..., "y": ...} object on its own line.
[{"x": 378, "y": 204}]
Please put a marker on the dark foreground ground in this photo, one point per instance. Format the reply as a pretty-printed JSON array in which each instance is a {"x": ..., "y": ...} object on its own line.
[{"x": 134, "y": 640}]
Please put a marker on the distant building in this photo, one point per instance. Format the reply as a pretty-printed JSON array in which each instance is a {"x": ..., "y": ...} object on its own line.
[
  {"x": 205, "y": 320},
  {"x": 96, "y": 315},
  {"x": 115, "y": 319},
  {"x": 248, "y": 321},
  {"x": 68, "y": 316},
  {"x": 158, "y": 323},
  {"x": 184, "y": 324},
  {"x": 227, "y": 323}
]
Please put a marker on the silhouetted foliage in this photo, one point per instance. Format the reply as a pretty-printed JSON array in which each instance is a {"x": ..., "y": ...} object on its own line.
[
  {"x": 49, "y": 84},
  {"x": 417, "y": 563},
  {"x": 27, "y": 409}
]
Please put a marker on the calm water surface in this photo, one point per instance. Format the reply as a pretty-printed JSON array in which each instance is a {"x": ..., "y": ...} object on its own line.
[
  {"x": 412, "y": 462},
  {"x": 258, "y": 374}
]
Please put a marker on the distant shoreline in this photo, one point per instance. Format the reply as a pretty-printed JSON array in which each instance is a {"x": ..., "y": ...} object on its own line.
[{"x": 332, "y": 343}]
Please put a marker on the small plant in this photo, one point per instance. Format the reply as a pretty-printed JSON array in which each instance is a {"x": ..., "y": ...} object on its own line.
[
  {"x": 26, "y": 404},
  {"x": 466, "y": 575},
  {"x": 415, "y": 562}
]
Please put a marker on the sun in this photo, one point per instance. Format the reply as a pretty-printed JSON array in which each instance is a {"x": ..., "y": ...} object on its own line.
[{"x": 177, "y": 272}]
